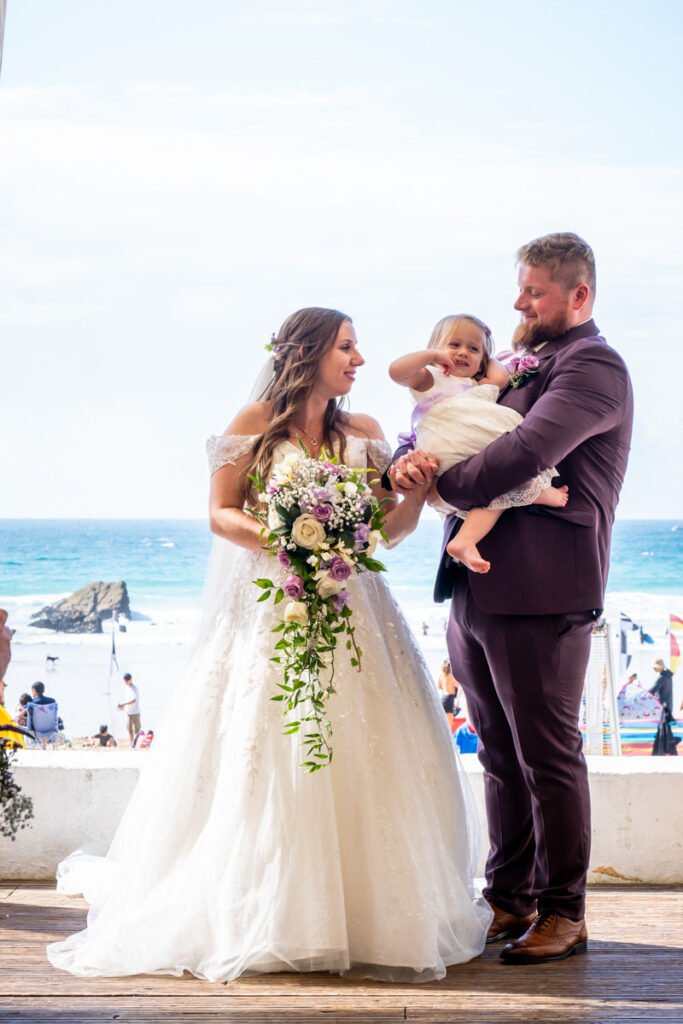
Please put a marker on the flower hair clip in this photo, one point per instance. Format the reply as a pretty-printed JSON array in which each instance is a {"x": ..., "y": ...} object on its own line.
[{"x": 272, "y": 344}]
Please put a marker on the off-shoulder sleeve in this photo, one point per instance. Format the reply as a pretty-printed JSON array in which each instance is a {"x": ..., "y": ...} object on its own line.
[
  {"x": 379, "y": 454},
  {"x": 226, "y": 449}
]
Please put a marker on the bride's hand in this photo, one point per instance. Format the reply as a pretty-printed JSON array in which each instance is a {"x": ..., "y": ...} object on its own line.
[{"x": 412, "y": 471}]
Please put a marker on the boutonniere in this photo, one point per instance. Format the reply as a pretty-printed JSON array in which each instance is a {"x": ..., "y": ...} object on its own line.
[{"x": 522, "y": 369}]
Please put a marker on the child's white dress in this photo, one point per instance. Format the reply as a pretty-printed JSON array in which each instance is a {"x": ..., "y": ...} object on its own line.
[{"x": 457, "y": 418}]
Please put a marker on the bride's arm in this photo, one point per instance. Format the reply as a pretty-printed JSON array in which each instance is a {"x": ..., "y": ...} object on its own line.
[
  {"x": 401, "y": 517},
  {"x": 229, "y": 485}
]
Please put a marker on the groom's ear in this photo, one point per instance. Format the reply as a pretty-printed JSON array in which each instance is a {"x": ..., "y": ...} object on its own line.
[{"x": 581, "y": 295}]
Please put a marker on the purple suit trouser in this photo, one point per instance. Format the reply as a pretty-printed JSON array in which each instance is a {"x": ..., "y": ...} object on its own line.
[{"x": 523, "y": 676}]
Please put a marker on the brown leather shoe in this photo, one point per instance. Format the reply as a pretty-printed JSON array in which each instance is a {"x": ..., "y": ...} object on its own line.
[
  {"x": 550, "y": 937},
  {"x": 506, "y": 926}
]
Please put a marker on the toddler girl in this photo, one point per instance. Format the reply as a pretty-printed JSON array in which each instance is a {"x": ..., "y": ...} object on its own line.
[{"x": 455, "y": 385}]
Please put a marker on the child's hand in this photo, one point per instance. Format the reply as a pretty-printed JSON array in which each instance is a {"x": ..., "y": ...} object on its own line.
[{"x": 444, "y": 360}]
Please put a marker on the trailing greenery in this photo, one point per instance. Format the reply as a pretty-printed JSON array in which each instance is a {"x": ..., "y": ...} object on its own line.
[
  {"x": 16, "y": 809},
  {"x": 322, "y": 523}
]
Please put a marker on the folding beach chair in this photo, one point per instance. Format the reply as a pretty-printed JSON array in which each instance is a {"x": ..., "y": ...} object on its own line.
[{"x": 44, "y": 723}]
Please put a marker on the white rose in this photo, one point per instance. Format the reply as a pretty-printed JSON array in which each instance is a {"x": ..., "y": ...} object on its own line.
[
  {"x": 350, "y": 489},
  {"x": 373, "y": 540},
  {"x": 274, "y": 520},
  {"x": 327, "y": 586},
  {"x": 296, "y": 611},
  {"x": 307, "y": 532}
]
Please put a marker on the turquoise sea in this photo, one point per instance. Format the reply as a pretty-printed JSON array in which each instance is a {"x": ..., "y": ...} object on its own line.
[{"x": 164, "y": 560}]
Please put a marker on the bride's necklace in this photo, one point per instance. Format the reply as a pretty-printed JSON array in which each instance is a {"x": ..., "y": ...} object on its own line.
[{"x": 315, "y": 440}]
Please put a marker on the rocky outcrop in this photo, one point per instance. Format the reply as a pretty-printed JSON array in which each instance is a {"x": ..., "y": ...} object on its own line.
[{"x": 85, "y": 610}]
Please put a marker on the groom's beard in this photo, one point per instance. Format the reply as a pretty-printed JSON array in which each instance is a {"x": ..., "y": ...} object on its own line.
[{"x": 532, "y": 333}]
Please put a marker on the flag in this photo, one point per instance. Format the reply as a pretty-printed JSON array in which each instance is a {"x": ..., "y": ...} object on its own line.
[
  {"x": 675, "y": 627},
  {"x": 626, "y": 626}
]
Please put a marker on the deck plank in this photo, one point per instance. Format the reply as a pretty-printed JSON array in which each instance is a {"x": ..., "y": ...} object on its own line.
[{"x": 630, "y": 974}]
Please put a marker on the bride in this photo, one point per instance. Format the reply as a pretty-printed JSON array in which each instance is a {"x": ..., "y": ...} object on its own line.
[{"x": 229, "y": 857}]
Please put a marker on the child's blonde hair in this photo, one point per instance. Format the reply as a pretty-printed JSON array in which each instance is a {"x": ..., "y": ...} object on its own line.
[{"x": 445, "y": 326}]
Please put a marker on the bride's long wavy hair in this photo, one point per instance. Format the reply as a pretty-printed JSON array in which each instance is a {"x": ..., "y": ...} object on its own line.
[{"x": 299, "y": 345}]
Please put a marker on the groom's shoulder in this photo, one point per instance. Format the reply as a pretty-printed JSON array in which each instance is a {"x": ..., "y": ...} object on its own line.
[{"x": 593, "y": 348}]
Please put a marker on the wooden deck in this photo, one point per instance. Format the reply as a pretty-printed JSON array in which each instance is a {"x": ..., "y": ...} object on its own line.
[{"x": 633, "y": 972}]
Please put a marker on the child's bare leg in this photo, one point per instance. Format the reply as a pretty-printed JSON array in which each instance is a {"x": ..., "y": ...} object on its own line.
[
  {"x": 555, "y": 497},
  {"x": 463, "y": 547}
]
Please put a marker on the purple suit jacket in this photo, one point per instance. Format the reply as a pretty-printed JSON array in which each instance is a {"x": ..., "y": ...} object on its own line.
[{"x": 578, "y": 411}]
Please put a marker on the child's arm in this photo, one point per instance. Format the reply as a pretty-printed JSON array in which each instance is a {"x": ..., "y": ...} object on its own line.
[
  {"x": 495, "y": 374},
  {"x": 411, "y": 371}
]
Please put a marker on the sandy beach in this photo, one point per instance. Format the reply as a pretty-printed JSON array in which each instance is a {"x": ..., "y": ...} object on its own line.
[{"x": 156, "y": 650}]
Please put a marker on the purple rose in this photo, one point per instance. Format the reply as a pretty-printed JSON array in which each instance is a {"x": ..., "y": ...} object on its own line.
[
  {"x": 340, "y": 600},
  {"x": 321, "y": 512},
  {"x": 361, "y": 535},
  {"x": 293, "y": 587},
  {"x": 338, "y": 569},
  {"x": 283, "y": 558},
  {"x": 527, "y": 363}
]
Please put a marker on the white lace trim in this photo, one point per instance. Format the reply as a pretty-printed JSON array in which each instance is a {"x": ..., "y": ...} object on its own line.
[
  {"x": 226, "y": 449},
  {"x": 379, "y": 454},
  {"x": 527, "y": 494}
]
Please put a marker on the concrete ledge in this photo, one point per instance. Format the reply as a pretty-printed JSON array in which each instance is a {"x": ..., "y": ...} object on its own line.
[{"x": 79, "y": 797}]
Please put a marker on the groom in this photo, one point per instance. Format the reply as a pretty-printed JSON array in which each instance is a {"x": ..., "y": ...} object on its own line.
[{"x": 519, "y": 637}]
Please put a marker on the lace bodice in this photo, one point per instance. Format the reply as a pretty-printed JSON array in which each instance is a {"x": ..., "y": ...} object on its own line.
[{"x": 227, "y": 449}]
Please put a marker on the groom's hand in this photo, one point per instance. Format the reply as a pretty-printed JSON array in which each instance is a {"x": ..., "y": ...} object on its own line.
[{"x": 412, "y": 470}]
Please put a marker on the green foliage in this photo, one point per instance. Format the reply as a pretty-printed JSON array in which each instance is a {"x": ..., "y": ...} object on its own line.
[
  {"x": 16, "y": 810},
  {"x": 305, "y": 651}
]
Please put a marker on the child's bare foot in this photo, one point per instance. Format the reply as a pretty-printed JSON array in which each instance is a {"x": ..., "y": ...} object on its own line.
[
  {"x": 467, "y": 553},
  {"x": 555, "y": 497}
]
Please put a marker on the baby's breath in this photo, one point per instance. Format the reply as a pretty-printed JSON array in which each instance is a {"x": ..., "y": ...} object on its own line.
[{"x": 328, "y": 525}]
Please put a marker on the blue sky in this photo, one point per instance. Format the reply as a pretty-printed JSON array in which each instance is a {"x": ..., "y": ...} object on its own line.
[{"x": 176, "y": 179}]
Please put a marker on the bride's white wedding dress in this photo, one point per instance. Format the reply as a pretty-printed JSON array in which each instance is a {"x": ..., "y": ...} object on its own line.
[{"x": 231, "y": 859}]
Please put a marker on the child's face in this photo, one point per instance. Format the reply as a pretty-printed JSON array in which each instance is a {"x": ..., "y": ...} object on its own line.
[{"x": 466, "y": 344}]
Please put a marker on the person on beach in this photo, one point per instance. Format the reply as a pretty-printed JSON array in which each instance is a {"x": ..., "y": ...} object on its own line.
[
  {"x": 229, "y": 857},
  {"x": 663, "y": 686},
  {"x": 38, "y": 695},
  {"x": 665, "y": 743},
  {"x": 455, "y": 384},
  {"x": 131, "y": 705},
  {"x": 104, "y": 737},
  {"x": 447, "y": 685},
  {"x": 521, "y": 634},
  {"x": 21, "y": 710},
  {"x": 5, "y": 644}
]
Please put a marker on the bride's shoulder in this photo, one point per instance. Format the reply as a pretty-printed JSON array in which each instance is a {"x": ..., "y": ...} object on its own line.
[
  {"x": 361, "y": 425},
  {"x": 239, "y": 437},
  {"x": 252, "y": 420}
]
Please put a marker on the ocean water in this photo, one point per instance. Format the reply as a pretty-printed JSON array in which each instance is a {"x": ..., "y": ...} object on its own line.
[{"x": 163, "y": 563}]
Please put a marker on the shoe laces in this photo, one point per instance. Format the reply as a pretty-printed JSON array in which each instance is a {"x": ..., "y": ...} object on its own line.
[{"x": 544, "y": 922}]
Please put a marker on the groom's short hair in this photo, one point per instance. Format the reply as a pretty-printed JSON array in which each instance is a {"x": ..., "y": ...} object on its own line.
[{"x": 566, "y": 257}]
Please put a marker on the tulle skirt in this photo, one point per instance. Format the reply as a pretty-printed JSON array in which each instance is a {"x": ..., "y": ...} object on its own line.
[{"x": 231, "y": 859}]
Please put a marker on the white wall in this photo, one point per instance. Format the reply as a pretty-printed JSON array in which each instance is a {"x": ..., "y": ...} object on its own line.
[{"x": 79, "y": 797}]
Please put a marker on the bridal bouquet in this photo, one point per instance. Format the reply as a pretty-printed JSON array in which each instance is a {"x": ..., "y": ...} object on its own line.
[{"x": 322, "y": 523}]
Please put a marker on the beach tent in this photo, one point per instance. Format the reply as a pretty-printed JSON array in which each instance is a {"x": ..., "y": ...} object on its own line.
[{"x": 636, "y": 704}]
